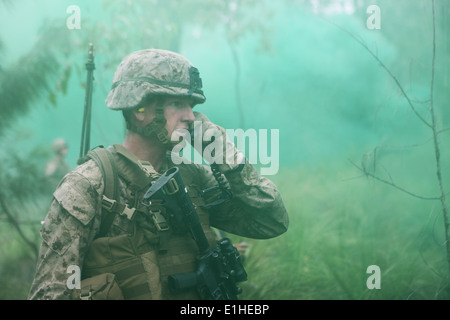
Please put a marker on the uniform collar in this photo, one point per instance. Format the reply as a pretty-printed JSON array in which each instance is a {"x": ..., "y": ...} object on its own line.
[{"x": 134, "y": 171}]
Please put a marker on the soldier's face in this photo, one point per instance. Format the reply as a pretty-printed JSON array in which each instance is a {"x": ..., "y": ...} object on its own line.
[
  {"x": 179, "y": 116},
  {"x": 177, "y": 111}
]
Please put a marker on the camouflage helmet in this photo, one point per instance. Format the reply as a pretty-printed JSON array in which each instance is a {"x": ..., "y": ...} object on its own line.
[
  {"x": 153, "y": 71},
  {"x": 58, "y": 145}
]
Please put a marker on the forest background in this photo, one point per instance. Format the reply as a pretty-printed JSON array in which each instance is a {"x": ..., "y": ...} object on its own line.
[{"x": 358, "y": 89}]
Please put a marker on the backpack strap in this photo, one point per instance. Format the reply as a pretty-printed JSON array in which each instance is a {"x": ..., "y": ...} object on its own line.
[{"x": 105, "y": 161}]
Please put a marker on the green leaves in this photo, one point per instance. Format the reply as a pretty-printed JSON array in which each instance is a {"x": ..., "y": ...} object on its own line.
[{"x": 37, "y": 72}]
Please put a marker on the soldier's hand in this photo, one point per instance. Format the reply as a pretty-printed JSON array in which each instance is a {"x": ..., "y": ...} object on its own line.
[
  {"x": 215, "y": 145},
  {"x": 241, "y": 247}
]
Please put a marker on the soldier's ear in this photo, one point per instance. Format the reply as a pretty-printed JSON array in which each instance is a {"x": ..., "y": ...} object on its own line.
[{"x": 139, "y": 113}]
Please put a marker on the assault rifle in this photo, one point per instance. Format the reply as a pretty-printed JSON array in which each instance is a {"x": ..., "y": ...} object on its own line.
[{"x": 220, "y": 268}]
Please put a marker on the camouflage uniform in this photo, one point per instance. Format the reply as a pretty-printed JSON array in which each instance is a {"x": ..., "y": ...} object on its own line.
[{"x": 73, "y": 221}]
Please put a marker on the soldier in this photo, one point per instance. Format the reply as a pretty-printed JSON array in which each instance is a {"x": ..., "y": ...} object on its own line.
[
  {"x": 57, "y": 167},
  {"x": 133, "y": 254}
]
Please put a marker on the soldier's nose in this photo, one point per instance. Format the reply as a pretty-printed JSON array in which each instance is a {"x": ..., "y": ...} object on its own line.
[{"x": 188, "y": 114}]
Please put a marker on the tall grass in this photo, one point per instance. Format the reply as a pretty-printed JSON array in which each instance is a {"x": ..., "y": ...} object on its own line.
[{"x": 341, "y": 224}]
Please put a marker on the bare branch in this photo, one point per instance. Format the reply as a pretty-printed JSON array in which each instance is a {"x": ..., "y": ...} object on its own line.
[
  {"x": 386, "y": 69},
  {"x": 443, "y": 130},
  {"x": 392, "y": 184},
  {"x": 237, "y": 85},
  {"x": 437, "y": 150},
  {"x": 16, "y": 226},
  {"x": 407, "y": 146},
  {"x": 434, "y": 128},
  {"x": 421, "y": 250}
]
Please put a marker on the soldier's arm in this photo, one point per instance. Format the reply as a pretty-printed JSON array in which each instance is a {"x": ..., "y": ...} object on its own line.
[
  {"x": 68, "y": 229},
  {"x": 256, "y": 209}
]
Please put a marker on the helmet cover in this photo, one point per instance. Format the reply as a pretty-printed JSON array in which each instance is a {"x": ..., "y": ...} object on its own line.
[{"x": 153, "y": 71}]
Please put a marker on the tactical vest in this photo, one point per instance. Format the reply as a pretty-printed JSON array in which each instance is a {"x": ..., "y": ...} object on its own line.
[{"x": 136, "y": 265}]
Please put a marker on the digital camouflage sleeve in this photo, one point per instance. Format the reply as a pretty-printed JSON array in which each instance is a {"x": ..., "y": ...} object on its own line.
[
  {"x": 68, "y": 229},
  {"x": 256, "y": 210}
]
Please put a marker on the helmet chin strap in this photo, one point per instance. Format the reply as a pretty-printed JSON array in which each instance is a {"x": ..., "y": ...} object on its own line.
[{"x": 156, "y": 127}]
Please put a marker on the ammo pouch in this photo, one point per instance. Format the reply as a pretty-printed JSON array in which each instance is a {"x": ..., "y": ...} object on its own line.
[
  {"x": 101, "y": 287},
  {"x": 121, "y": 267}
]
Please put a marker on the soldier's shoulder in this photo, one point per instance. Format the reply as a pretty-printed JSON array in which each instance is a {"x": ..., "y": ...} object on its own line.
[
  {"x": 87, "y": 172},
  {"x": 79, "y": 191}
]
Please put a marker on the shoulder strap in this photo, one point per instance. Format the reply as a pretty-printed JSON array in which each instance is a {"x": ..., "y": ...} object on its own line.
[{"x": 104, "y": 159}]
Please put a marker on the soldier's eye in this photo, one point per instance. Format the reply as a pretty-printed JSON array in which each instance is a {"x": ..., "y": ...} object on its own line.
[{"x": 175, "y": 103}]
